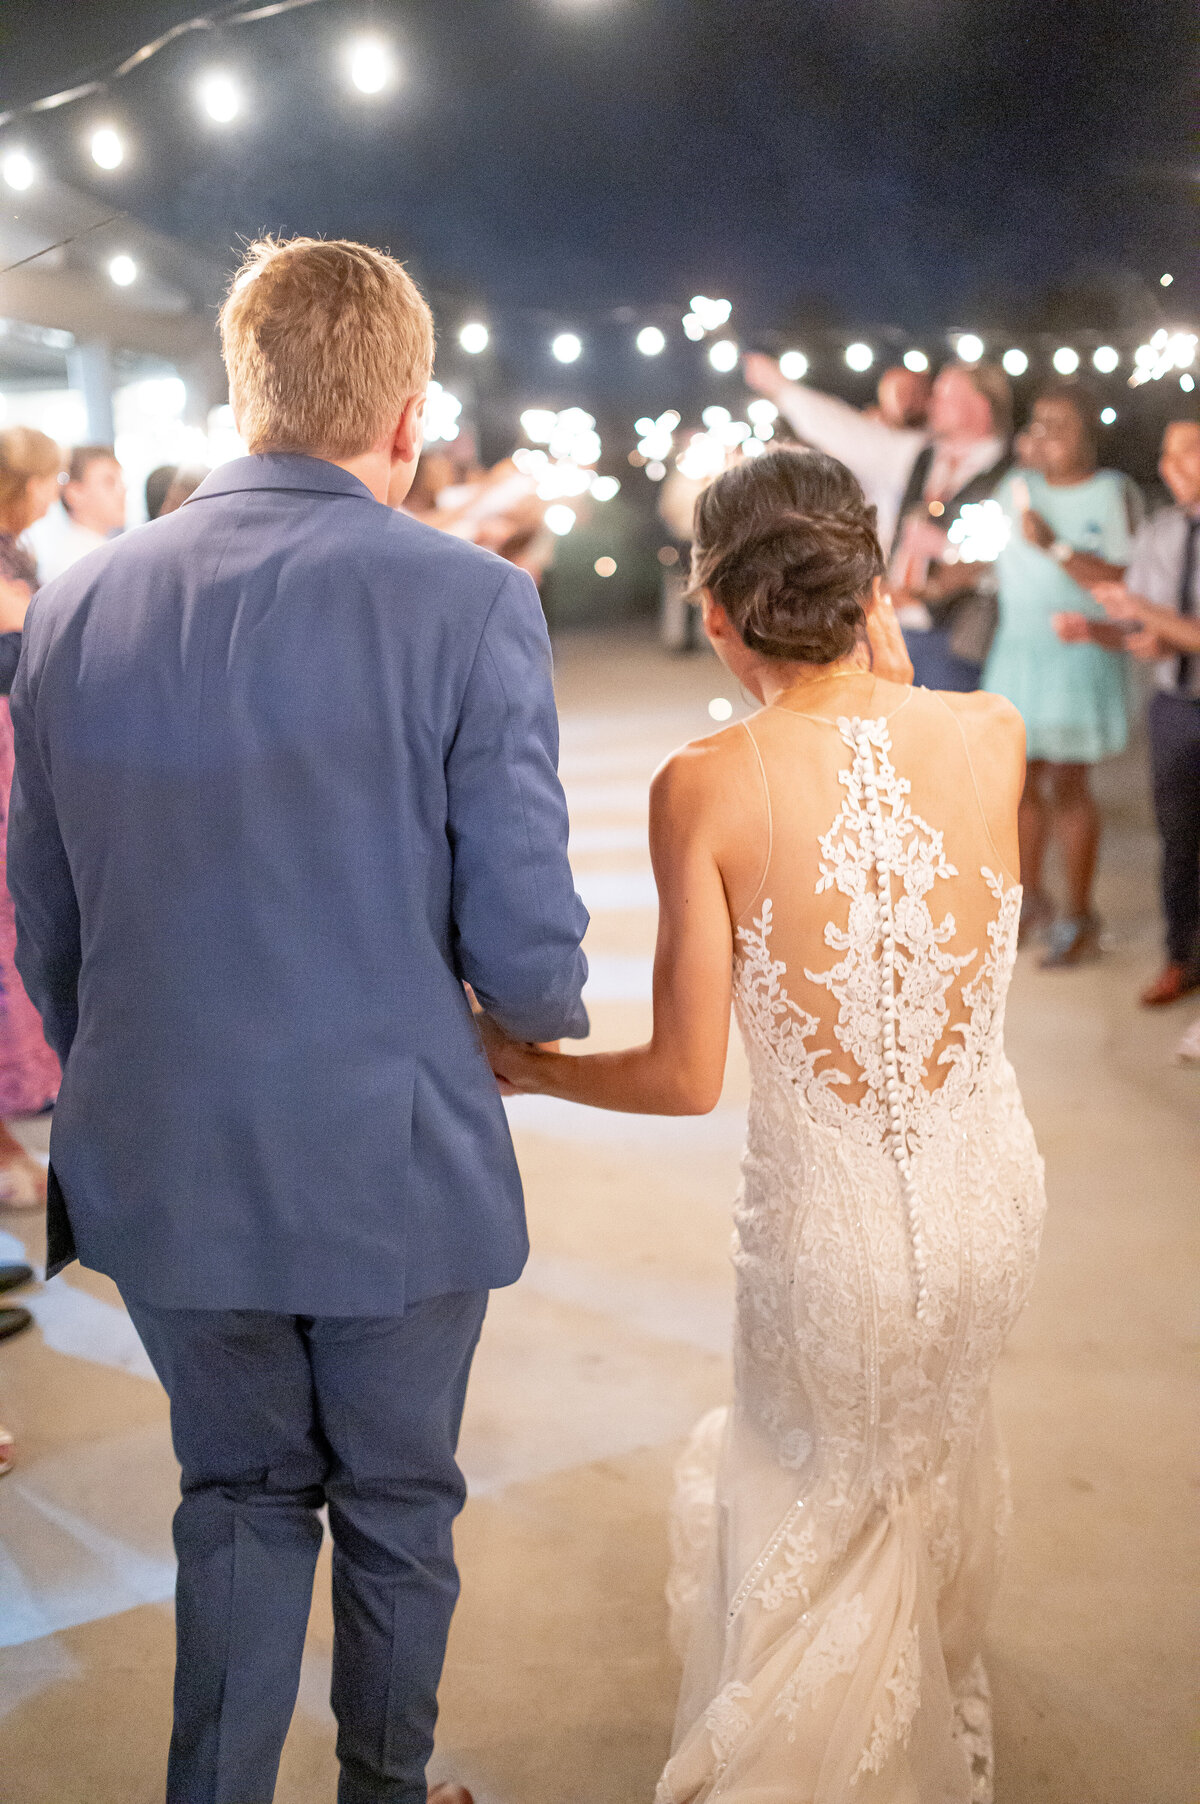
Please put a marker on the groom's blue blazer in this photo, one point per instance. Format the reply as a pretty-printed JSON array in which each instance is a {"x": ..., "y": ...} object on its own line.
[{"x": 286, "y": 778}]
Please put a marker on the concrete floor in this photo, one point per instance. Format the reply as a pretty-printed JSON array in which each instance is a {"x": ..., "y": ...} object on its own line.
[{"x": 559, "y": 1686}]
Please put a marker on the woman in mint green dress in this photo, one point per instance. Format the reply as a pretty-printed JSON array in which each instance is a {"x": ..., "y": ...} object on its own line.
[{"x": 1072, "y": 525}]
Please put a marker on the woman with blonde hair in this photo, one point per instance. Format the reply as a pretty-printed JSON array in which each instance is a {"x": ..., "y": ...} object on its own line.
[{"x": 30, "y": 465}]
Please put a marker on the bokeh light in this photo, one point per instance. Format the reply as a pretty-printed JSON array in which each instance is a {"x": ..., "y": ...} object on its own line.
[
  {"x": 969, "y": 348},
  {"x": 859, "y": 357},
  {"x": 108, "y": 152},
  {"x": 220, "y": 96},
  {"x": 793, "y": 365},
  {"x": 650, "y": 341},
  {"x": 17, "y": 169},
  {"x": 474, "y": 337},
  {"x": 916, "y": 360},
  {"x": 122, "y": 270},
  {"x": 1065, "y": 360},
  {"x": 566, "y": 347},
  {"x": 1014, "y": 362}
]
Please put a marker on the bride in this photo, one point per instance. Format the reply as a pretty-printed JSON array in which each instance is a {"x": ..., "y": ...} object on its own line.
[{"x": 844, "y": 864}]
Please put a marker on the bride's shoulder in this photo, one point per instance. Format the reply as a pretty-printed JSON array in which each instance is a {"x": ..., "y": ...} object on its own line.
[
  {"x": 992, "y": 728},
  {"x": 704, "y": 773}
]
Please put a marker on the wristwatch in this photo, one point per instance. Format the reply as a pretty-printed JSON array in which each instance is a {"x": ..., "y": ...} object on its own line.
[{"x": 1061, "y": 552}]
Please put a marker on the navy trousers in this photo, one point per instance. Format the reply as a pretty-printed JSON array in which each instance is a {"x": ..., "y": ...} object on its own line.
[
  {"x": 272, "y": 1417},
  {"x": 1175, "y": 765}
]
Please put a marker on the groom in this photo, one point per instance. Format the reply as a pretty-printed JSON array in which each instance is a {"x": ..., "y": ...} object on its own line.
[{"x": 286, "y": 781}]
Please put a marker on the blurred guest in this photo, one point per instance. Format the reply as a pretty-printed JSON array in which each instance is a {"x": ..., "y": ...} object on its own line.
[
  {"x": 1162, "y": 591},
  {"x": 1073, "y": 525},
  {"x": 91, "y": 509},
  {"x": 901, "y": 399},
  {"x": 158, "y": 484},
  {"x": 29, "y": 470},
  {"x": 184, "y": 483},
  {"x": 919, "y": 482},
  {"x": 497, "y": 508}
]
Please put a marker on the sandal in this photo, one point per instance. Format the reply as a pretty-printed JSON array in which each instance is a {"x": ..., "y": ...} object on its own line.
[{"x": 1075, "y": 940}]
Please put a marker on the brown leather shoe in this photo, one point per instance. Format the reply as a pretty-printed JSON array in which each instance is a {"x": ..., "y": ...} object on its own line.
[
  {"x": 450, "y": 1794},
  {"x": 1172, "y": 982}
]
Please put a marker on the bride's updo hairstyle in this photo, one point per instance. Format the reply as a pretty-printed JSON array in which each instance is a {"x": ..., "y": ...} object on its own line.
[{"x": 787, "y": 545}]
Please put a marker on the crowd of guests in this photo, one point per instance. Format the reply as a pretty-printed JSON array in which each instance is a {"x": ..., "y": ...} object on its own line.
[
  {"x": 1082, "y": 583},
  {"x": 54, "y": 509}
]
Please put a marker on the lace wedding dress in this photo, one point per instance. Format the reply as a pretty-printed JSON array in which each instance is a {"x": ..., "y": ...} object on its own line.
[{"x": 837, "y": 1532}]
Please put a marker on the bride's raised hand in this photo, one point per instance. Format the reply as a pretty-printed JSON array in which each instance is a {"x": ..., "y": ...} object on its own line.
[{"x": 889, "y": 654}]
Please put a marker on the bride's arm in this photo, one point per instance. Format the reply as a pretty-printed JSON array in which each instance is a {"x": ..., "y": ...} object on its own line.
[{"x": 681, "y": 1068}]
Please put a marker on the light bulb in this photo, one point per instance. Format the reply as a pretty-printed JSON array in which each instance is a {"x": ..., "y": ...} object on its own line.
[
  {"x": 107, "y": 148},
  {"x": 1014, "y": 362},
  {"x": 650, "y": 341},
  {"x": 566, "y": 348},
  {"x": 18, "y": 170},
  {"x": 474, "y": 338},
  {"x": 371, "y": 64},
  {"x": 859, "y": 357},
  {"x": 724, "y": 356},
  {"x": 220, "y": 96},
  {"x": 1065, "y": 360},
  {"x": 916, "y": 360},
  {"x": 1105, "y": 358},
  {"x": 793, "y": 365},
  {"x": 122, "y": 270},
  {"x": 969, "y": 348}
]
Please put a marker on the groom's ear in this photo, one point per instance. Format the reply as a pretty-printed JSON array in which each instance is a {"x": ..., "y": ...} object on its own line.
[{"x": 410, "y": 431}]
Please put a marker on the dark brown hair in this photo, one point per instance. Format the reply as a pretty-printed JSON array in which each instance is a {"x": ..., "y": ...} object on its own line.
[
  {"x": 1082, "y": 399},
  {"x": 84, "y": 456},
  {"x": 787, "y": 545}
]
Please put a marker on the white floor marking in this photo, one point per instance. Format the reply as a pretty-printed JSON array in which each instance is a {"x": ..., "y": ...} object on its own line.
[
  {"x": 618, "y": 977},
  {"x": 616, "y": 889}
]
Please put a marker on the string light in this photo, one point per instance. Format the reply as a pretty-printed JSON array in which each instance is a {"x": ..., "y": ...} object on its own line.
[
  {"x": 1107, "y": 416},
  {"x": 560, "y": 519},
  {"x": 605, "y": 566},
  {"x": 724, "y": 356},
  {"x": 566, "y": 347},
  {"x": 441, "y": 415},
  {"x": 710, "y": 314},
  {"x": 18, "y": 170},
  {"x": 656, "y": 470},
  {"x": 106, "y": 147},
  {"x": 1014, "y": 362},
  {"x": 1105, "y": 358},
  {"x": 220, "y": 96},
  {"x": 1065, "y": 360},
  {"x": 692, "y": 327},
  {"x": 122, "y": 270},
  {"x": 371, "y": 65},
  {"x": 969, "y": 348},
  {"x": 720, "y": 708},
  {"x": 793, "y": 365},
  {"x": 650, "y": 341},
  {"x": 1186, "y": 383},
  {"x": 859, "y": 357},
  {"x": 916, "y": 360},
  {"x": 605, "y": 488},
  {"x": 474, "y": 337},
  {"x": 1165, "y": 280}
]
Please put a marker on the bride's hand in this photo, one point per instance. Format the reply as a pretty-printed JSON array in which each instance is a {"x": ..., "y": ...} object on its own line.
[
  {"x": 889, "y": 654},
  {"x": 512, "y": 1061}
]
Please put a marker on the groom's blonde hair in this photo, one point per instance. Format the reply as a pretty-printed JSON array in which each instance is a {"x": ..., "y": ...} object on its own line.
[{"x": 324, "y": 342}]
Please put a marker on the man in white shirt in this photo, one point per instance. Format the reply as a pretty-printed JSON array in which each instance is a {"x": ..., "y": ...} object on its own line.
[
  {"x": 91, "y": 510},
  {"x": 917, "y": 481}
]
